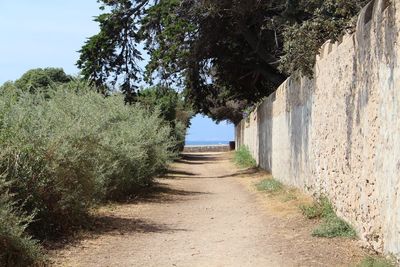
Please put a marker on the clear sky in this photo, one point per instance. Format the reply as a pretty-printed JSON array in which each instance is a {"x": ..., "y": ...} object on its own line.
[
  {"x": 204, "y": 129},
  {"x": 48, "y": 33}
]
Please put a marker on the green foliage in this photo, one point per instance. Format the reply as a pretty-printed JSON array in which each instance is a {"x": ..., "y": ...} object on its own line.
[
  {"x": 172, "y": 109},
  {"x": 35, "y": 79},
  {"x": 16, "y": 247},
  {"x": 227, "y": 54},
  {"x": 243, "y": 158},
  {"x": 112, "y": 53},
  {"x": 318, "y": 209},
  {"x": 70, "y": 148},
  {"x": 164, "y": 98},
  {"x": 269, "y": 186},
  {"x": 376, "y": 262},
  {"x": 328, "y": 21},
  {"x": 332, "y": 225}
]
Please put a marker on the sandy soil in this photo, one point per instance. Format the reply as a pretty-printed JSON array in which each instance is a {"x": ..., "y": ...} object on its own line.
[{"x": 206, "y": 213}]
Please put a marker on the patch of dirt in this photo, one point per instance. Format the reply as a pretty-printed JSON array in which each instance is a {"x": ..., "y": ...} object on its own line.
[
  {"x": 206, "y": 212},
  {"x": 289, "y": 222}
]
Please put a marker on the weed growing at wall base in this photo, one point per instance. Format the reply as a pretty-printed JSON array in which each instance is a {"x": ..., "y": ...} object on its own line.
[
  {"x": 244, "y": 159},
  {"x": 275, "y": 188},
  {"x": 376, "y": 262},
  {"x": 269, "y": 185},
  {"x": 318, "y": 209},
  {"x": 332, "y": 225}
]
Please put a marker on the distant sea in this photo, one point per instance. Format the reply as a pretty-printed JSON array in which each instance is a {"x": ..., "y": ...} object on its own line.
[{"x": 206, "y": 143}]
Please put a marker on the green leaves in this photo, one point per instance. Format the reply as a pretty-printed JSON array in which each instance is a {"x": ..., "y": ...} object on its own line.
[
  {"x": 172, "y": 109},
  {"x": 111, "y": 56},
  {"x": 302, "y": 41},
  {"x": 67, "y": 149},
  {"x": 244, "y": 159},
  {"x": 227, "y": 55},
  {"x": 36, "y": 79},
  {"x": 16, "y": 247}
]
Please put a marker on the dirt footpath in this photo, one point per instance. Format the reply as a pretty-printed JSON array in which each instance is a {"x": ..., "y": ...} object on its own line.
[{"x": 206, "y": 213}]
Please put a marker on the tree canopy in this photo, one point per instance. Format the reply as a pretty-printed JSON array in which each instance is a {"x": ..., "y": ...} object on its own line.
[
  {"x": 41, "y": 78},
  {"x": 226, "y": 54}
]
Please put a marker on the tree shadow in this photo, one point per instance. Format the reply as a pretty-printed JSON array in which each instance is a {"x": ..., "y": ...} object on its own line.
[
  {"x": 235, "y": 174},
  {"x": 173, "y": 172},
  {"x": 245, "y": 172},
  {"x": 115, "y": 225},
  {"x": 198, "y": 159},
  {"x": 110, "y": 224},
  {"x": 161, "y": 193},
  {"x": 189, "y": 162}
]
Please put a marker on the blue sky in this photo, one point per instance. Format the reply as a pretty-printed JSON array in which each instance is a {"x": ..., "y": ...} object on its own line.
[
  {"x": 204, "y": 129},
  {"x": 48, "y": 33}
]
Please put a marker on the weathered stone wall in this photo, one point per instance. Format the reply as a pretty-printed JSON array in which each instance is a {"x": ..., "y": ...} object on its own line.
[{"x": 339, "y": 133}]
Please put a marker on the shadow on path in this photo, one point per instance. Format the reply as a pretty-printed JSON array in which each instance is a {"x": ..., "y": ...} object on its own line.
[
  {"x": 111, "y": 223},
  {"x": 198, "y": 159},
  {"x": 115, "y": 225},
  {"x": 161, "y": 193}
]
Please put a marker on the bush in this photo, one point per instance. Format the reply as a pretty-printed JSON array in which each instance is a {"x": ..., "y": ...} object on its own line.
[
  {"x": 332, "y": 225},
  {"x": 172, "y": 107},
  {"x": 243, "y": 158},
  {"x": 16, "y": 247},
  {"x": 69, "y": 148}
]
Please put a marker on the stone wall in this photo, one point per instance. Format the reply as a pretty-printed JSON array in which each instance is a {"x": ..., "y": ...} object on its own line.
[{"x": 338, "y": 134}]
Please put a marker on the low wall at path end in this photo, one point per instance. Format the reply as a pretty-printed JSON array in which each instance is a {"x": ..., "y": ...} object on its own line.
[
  {"x": 338, "y": 134},
  {"x": 207, "y": 148}
]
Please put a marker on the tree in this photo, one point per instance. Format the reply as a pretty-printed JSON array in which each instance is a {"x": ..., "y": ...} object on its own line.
[
  {"x": 111, "y": 56},
  {"x": 167, "y": 100},
  {"x": 41, "y": 78},
  {"x": 227, "y": 54},
  {"x": 302, "y": 41}
]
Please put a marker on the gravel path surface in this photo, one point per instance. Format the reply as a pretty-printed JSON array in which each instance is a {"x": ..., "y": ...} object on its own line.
[{"x": 205, "y": 213}]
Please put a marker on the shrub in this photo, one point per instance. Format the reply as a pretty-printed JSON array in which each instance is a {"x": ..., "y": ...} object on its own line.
[
  {"x": 270, "y": 185},
  {"x": 69, "y": 148},
  {"x": 332, "y": 225},
  {"x": 243, "y": 158},
  {"x": 16, "y": 247},
  {"x": 50, "y": 154},
  {"x": 172, "y": 107},
  {"x": 140, "y": 147}
]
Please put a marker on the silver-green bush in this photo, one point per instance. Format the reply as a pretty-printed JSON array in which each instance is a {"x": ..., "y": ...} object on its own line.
[
  {"x": 16, "y": 247},
  {"x": 68, "y": 148}
]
